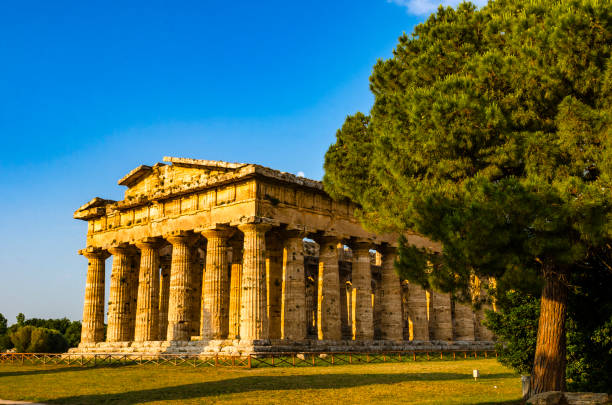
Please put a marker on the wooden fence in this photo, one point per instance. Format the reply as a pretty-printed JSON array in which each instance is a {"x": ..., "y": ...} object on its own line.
[{"x": 247, "y": 361}]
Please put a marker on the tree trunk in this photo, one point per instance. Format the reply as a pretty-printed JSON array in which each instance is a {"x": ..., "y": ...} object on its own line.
[{"x": 549, "y": 365}]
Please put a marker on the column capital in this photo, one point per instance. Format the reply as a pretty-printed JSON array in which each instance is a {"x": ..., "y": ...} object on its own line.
[
  {"x": 361, "y": 246},
  {"x": 387, "y": 249},
  {"x": 327, "y": 238},
  {"x": 218, "y": 232},
  {"x": 180, "y": 237},
  {"x": 255, "y": 227},
  {"x": 123, "y": 248},
  {"x": 91, "y": 252},
  {"x": 148, "y": 243}
]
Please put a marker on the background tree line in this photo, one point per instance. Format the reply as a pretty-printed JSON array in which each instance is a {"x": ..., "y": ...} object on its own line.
[{"x": 39, "y": 335}]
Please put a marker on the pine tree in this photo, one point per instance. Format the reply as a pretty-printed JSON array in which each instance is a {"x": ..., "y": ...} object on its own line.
[{"x": 491, "y": 132}]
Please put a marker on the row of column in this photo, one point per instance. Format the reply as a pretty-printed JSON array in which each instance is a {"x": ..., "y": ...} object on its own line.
[
  {"x": 143, "y": 307},
  {"x": 429, "y": 315}
]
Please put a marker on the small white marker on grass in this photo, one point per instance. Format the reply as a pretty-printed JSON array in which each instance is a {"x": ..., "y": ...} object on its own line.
[{"x": 475, "y": 374}]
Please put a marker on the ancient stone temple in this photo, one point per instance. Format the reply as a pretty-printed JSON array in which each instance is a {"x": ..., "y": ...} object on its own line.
[{"x": 211, "y": 256}]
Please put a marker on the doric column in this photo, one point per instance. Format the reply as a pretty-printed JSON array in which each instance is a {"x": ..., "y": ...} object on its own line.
[
  {"x": 147, "y": 308},
  {"x": 253, "y": 317},
  {"x": 164, "y": 295},
  {"x": 274, "y": 283},
  {"x": 481, "y": 295},
  {"x": 442, "y": 319},
  {"x": 345, "y": 296},
  {"x": 463, "y": 322},
  {"x": 180, "y": 287},
  {"x": 214, "y": 319},
  {"x": 93, "y": 308},
  {"x": 416, "y": 310},
  {"x": 198, "y": 263},
  {"x": 328, "y": 295},
  {"x": 293, "y": 305},
  {"x": 391, "y": 311},
  {"x": 120, "y": 293},
  {"x": 133, "y": 289},
  {"x": 235, "y": 290},
  {"x": 363, "y": 321}
]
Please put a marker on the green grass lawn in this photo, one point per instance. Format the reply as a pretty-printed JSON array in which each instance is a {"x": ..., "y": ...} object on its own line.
[{"x": 421, "y": 382}]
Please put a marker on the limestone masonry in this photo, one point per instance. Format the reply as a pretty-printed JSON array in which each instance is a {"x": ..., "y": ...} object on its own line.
[{"x": 213, "y": 257}]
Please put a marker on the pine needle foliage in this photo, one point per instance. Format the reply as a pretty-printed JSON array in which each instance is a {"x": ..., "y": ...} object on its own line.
[{"x": 491, "y": 132}]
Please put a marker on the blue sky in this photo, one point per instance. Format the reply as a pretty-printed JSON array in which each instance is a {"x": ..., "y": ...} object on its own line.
[{"x": 90, "y": 90}]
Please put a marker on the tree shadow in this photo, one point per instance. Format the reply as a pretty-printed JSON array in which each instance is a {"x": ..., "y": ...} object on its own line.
[
  {"x": 59, "y": 369},
  {"x": 260, "y": 383}
]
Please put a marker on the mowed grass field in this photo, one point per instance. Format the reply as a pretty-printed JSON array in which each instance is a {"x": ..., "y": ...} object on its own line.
[{"x": 421, "y": 382}]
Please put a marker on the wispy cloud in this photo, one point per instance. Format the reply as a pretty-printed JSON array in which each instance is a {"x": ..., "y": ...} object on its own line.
[{"x": 424, "y": 7}]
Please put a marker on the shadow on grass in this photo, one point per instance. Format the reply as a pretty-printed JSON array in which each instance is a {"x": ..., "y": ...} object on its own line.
[
  {"x": 261, "y": 383},
  {"x": 59, "y": 369}
]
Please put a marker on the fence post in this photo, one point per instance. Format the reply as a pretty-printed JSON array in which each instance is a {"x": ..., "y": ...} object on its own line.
[
  {"x": 414, "y": 356},
  {"x": 293, "y": 359},
  {"x": 350, "y": 358},
  {"x": 250, "y": 361},
  {"x": 427, "y": 355},
  {"x": 313, "y": 359},
  {"x": 441, "y": 355},
  {"x": 454, "y": 356}
]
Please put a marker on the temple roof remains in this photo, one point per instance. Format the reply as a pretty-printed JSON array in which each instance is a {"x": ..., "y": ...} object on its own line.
[{"x": 183, "y": 175}]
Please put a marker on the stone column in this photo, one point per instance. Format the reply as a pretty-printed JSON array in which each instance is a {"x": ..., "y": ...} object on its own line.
[
  {"x": 443, "y": 329},
  {"x": 274, "y": 285},
  {"x": 253, "y": 317},
  {"x": 345, "y": 299},
  {"x": 198, "y": 263},
  {"x": 391, "y": 300},
  {"x": 118, "y": 304},
  {"x": 235, "y": 291},
  {"x": 328, "y": 292},
  {"x": 93, "y": 308},
  {"x": 416, "y": 308},
  {"x": 293, "y": 311},
  {"x": 133, "y": 289},
  {"x": 214, "y": 319},
  {"x": 482, "y": 296},
  {"x": 311, "y": 302},
  {"x": 180, "y": 287},
  {"x": 463, "y": 321},
  {"x": 164, "y": 296},
  {"x": 363, "y": 321},
  {"x": 147, "y": 308}
]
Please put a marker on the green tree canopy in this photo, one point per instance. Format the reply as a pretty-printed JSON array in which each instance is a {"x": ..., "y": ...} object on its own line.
[
  {"x": 20, "y": 319},
  {"x": 3, "y": 325},
  {"x": 491, "y": 133},
  {"x": 31, "y": 339}
]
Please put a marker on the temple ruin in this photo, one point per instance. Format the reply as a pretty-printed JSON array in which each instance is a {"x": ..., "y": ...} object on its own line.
[{"x": 217, "y": 257}]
